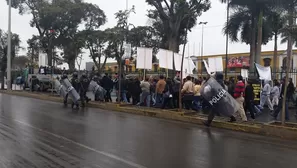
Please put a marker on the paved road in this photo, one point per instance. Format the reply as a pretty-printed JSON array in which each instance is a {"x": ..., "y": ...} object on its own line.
[{"x": 35, "y": 133}]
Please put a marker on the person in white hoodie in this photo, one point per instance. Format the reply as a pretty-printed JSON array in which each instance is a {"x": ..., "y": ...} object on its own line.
[
  {"x": 265, "y": 96},
  {"x": 145, "y": 95},
  {"x": 275, "y": 93}
]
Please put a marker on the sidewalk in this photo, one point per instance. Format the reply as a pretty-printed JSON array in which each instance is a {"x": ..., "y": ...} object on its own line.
[
  {"x": 265, "y": 117},
  {"x": 262, "y": 125}
]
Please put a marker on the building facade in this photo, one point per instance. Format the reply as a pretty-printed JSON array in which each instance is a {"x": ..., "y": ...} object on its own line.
[
  {"x": 238, "y": 61},
  {"x": 235, "y": 63}
]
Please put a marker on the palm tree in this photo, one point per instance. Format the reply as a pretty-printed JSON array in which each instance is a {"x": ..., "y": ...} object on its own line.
[
  {"x": 242, "y": 23},
  {"x": 277, "y": 21},
  {"x": 257, "y": 10}
]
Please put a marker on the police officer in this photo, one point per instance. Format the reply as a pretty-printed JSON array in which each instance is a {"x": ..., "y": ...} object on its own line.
[
  {"x": 97, "y": 80},
  {"x": 76, "y": 85},
  {"x": 84, "y": 84},
  {"x": 64, "y": 76}
]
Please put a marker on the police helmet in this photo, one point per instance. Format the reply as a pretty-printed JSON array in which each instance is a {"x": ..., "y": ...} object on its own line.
[{"x": 75, "y": 75}]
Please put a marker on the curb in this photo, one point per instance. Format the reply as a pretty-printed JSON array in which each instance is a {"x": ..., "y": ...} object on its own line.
[{"x": 266, "y": 129}]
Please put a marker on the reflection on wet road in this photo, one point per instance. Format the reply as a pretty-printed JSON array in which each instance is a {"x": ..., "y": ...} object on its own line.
[{"x": 41, "y": 134}]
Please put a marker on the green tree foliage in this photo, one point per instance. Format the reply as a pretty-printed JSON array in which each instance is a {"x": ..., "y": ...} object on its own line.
[
  {"x": 239, "y": 27},
  {"x": 170, "y": 18},
  {"x": 33, "y": 48},
  {"x": 15, "y": 47},
  {"x": 95, "y": 42},
  {"x": 20, "y": 62},
  {"x": 64, "y": 17}
]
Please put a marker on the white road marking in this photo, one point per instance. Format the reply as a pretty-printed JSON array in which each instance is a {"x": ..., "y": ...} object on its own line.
[{"x": 83, "y": 146}]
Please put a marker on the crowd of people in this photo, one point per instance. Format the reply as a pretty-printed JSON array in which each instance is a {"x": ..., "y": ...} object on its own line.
[
  {"x": 159, "y": 91},
  {"x": 162, "y": 92}
]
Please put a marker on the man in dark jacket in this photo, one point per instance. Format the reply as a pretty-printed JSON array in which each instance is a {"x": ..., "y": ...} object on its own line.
[
  {"x": 231, "y": 86},
  {"x": 107, "y": 84},
  {"x": 249, "y": 99},
  {"x": 291, "y": 90},
  {"x": 176, "y": 90},
  {"x": 84, "y": 82}
]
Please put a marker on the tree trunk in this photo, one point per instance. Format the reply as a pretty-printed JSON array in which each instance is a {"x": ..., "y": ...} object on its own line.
[
  {"x": 259, "y": 38},
  {"x": 289, "y": 62},
  {"x": 275, "y": 54},
  {"x": 173, "y": 44},
  {"x": 71, "y": 64},
  {"x": 49, "y": 56},
  {"x": 96, "y": 63},
  {"x": 2, "y": 80},
  {"x": 253, "y": 45},
  {"x": 102, "y": 68}
]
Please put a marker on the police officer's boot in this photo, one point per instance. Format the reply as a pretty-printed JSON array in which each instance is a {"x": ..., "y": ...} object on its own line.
[{"x": 65, "y": 102}]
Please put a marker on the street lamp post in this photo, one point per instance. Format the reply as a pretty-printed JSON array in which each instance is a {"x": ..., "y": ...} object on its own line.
[
  {"x": 120, "y": 65},
  {"x": 202, "y": 39},
  {"x": 227, "y": 41},
  {"x": 9, "y": 48}
]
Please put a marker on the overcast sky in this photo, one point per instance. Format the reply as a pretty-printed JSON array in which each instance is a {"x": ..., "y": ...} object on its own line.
[{"x": 214, "y": 40}]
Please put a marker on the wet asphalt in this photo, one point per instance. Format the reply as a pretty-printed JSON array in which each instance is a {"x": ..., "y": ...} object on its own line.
[{"x": 41, "y": 134}]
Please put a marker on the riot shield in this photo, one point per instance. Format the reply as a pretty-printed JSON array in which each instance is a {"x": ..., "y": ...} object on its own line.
[
  {"x": 220, "y": 100},
  {"x": 98, "y": 91},
  {"x": 101, "y": 92},
  {"x": 72, "y": 93},
  {"x": 93, "y": 87},
  {"x": 60, "y": 89}
]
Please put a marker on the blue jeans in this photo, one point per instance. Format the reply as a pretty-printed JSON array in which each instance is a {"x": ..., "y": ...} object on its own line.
[
  {"x": 124, "y": 96},
  {"x": 145, "y": 96},
  {"x": 153, "y": 97},
  {"x": 159, "y": 99},
  {"x": 196, "y": 103}
]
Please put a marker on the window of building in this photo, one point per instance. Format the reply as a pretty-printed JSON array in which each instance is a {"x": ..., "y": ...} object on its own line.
[
  {"x": 284, "y": 66},
  {"x": 232, "y": 69}
]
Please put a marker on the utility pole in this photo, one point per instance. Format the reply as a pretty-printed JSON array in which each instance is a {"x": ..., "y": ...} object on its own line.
[
  {"x": 202, "y": 40},
  {"x": 227, "y": 41},
  {"x": 9, "y": 48},
  {"x": 120, "y": 66}
]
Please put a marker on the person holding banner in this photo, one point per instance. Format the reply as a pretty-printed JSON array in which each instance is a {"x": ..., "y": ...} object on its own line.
[
  {"x": 265, "y": 96},
  {"x": 275, "y": 94}
]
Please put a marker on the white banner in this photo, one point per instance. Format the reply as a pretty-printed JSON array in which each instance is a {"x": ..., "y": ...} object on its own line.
[
  {"x": 215, "y": 64},
  {"x": 189, "y": 66},
  {"x": 42, "y": 60},
  {"x": 144, "y": 58},
  {"x": 165, "y": 59},
  {"x": 264, "y": 72},
  {"x": 127, "y": 53},
  {"x": 207, "y": 67},
  {"x": 177, "y": 61},
  {"x": 244, "y": 73}
]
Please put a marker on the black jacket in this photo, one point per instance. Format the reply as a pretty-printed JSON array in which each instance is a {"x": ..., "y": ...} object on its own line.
[
  {"x": 76, "y": 84},
  {"x": 84, "y": 82},
  {"x": 249, "y": 93},
  {"x": 106, "y": 83}
]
